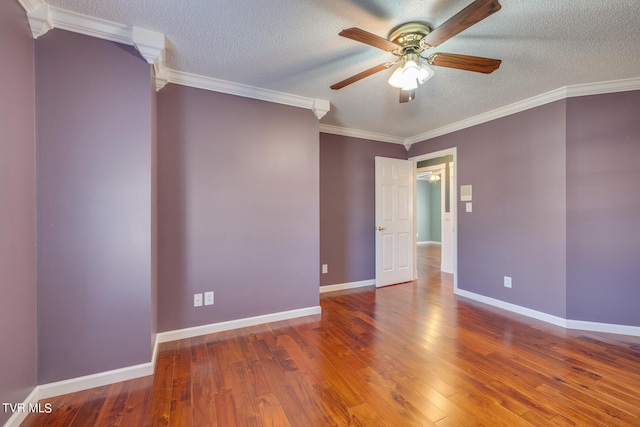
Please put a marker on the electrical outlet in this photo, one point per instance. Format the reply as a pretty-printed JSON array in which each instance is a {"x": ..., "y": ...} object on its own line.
[
  {"x": 325, "y": 268},
  {"x": 197, "y": 300},
  {"x": 507, "y": 281},
  {"x": 208, "y": 298}
]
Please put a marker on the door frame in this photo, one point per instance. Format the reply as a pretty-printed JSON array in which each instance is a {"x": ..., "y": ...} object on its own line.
[{"x": 453, "y": 205}]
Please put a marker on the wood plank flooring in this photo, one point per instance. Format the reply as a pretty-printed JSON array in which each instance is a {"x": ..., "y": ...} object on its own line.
[{"x": 407, "y": 355}]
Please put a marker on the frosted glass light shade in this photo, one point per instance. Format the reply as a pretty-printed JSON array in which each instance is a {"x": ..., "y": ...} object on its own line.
[{"x": 411, "y": 73}]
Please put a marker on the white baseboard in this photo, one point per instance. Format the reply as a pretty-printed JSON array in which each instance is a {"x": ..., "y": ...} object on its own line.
[
  {"x": 74, "y": 385},
  {"x": 343, "y": 286},
  {"x": 610, "y": 328},
  {"x": 554, "y": 320},
  {"x": 235, "y": 324},
  {"x": 428, "y": 242}
]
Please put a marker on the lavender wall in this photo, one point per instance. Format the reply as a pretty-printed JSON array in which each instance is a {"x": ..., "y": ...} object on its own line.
[
  {"x": 347, "y": 206},
  {"x": 603, "y": 205},
  {"x": 238, "y": 207},
  {"x": 18, "y": 350},
  {"x": 94, "y": 164},
  {"x": 517, "y": 166}
]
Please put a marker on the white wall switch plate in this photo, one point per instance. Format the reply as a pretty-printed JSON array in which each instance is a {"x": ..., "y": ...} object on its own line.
[
  {"x": 325, "y": 268},
  {"x": 507, "y": 281},
  {"x": 208, "y": 298},
  {"x": 197, "y": 300},
  {"x": 469, "y": 207}
]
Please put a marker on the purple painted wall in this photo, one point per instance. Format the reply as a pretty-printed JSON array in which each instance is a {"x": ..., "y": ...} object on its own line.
[
  {"x": 347, "y": 206},
  {"x": 94, "y": 164},
  {"x": 603, "y": 208},
  {"x": 238, "y": 207},
  {"x": 517, "y": 167},
  {"x": 18, "y": 370}
]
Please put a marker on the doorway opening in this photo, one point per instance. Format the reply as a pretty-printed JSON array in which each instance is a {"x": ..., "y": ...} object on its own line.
[{"x": 435, "y": 208}]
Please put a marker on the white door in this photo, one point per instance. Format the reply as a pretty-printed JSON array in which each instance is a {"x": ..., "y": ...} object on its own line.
[
  {"x": 395, "y": 243},
  {"x": 447, "y": 226}
]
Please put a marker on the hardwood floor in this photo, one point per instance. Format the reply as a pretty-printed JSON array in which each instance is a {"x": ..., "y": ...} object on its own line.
[{"x": 405, "y": 355}]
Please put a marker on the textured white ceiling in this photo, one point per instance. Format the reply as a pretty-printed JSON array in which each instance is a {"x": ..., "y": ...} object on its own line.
[{"x": 293, "y": 46}]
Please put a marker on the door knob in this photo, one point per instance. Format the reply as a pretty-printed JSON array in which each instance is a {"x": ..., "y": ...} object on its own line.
[{"x": 380, "y": 228}]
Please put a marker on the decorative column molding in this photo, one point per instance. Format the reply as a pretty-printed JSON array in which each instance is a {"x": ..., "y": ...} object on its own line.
[
  {"x": 320, "y": 107},
  {"x": 39, "y": 19},
  {"x": 150, "y": 44},
  {"x": 161, "y": 71}
]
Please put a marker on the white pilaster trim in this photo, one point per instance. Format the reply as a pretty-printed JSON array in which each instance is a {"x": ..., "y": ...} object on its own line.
[
  {"x": 151, "y": 44},
  {"x": 318, "y": 106},
  {"x": 40, "y": 20},
  {"x": 548, "y": 318},
  {"x": 350, "y": 285},
  {"x": 211, "y": 328},
  {"x": 160, "y": 69}
]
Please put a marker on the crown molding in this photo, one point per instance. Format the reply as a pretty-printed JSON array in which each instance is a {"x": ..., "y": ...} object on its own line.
[
  {"x": 151, "y": 44},
  {"x": 363, "y": 134},
  {"x": 29, "y": 5},
  {"x": 536, "y": 101},
  {"x": 587, "y": 89},
  {"x": 611, "y": 86},
  {"x": 318, "y": 106}
]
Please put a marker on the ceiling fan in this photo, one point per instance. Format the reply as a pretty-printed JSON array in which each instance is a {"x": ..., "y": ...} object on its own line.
[{"x": 407, "y": 41}]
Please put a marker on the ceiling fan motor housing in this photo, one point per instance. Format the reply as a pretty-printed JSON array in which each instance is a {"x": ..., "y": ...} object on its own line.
[{"x": 408, "y": 37}]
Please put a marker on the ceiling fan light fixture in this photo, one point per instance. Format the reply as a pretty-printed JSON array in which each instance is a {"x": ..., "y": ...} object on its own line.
[{"x": 411, "y": 73}]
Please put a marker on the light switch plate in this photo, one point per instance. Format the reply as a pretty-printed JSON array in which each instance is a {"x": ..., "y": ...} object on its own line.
[
  {"x": 469, "y": 207},
  {"x": 197, "y": 300}
]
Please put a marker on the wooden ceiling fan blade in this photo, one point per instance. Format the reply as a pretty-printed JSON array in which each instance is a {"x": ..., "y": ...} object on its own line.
[
  {"x": 361, "y": 75},
  {"x": 470, "y": 15},
  {"x": 407, "y": 95},
  {"x": 465, "y": 62},
  {"x": 366, "y": 37}
]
